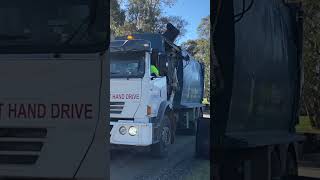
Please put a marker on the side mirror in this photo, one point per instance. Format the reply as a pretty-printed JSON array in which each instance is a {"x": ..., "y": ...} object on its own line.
[{"x": 163, "y": 64}]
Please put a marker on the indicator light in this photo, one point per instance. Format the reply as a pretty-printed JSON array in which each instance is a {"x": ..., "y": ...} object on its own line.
[{"x": 130, "y": 37}]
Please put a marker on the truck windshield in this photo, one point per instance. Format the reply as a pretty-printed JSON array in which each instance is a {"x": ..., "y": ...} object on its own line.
[
  {"x": 127, "y": 65},
  {"x": 54, "y": 25}
]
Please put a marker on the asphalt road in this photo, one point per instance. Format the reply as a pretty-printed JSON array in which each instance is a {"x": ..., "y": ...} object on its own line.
[{"x": 137, "y": 164}]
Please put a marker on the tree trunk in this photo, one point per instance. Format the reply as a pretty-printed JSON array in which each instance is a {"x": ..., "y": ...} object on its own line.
[
  {"x": 309, "y": 111},
  {"x": 317, "y": 114},
  {"x": 312, "y": 106}
]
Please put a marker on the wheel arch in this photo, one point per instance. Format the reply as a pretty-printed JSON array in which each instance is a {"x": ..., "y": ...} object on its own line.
[{"x": 164, "y": 109}]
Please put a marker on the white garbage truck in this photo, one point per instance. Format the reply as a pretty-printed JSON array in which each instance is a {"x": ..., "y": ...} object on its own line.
[{"x": 148, "y": 109}]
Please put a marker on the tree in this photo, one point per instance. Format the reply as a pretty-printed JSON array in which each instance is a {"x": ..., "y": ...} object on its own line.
[
  {"x": 191, "y": 47},
  {"x": 204, "y": 28},
  {"x": 311, "y": 58},
  {"x": 203, "y": 54},
  {"x": 117, "y": 16},
  {"x": 144, "y": 16}
]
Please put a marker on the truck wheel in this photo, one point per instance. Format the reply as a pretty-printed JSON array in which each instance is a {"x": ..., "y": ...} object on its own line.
[{"x": 160, "y": 149}]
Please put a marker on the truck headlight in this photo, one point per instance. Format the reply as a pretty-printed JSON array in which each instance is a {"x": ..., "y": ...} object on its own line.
[
  {"x": 133, "y": 131},
  {"x": 122, "y": 130}
]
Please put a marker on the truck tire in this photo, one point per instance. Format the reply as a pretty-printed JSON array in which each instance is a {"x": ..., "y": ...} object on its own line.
[{"x": 160, "y": 149}]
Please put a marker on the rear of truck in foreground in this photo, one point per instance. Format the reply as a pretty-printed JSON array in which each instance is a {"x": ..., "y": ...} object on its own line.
[{"x": 257, "y": 78}]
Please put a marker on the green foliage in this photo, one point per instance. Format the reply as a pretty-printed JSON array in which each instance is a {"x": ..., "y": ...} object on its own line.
[
  {"x": 204, "y": 28},
  {"x": 117, "y": 16},
  {"x": 143, "y": 16},
  {"x": 311, "y": 58}
]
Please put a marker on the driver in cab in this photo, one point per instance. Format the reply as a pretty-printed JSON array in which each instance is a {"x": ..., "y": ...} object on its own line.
[{"x": 154, "y": 71}]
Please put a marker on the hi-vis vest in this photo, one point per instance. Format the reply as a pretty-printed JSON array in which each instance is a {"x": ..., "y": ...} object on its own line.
[{"x": 154, "y": 70}]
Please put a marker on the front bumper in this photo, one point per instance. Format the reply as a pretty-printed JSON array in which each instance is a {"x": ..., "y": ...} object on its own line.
[{"x": 142, "y": 138}]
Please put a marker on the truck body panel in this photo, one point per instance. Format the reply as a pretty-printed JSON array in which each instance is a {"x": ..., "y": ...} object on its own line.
[
  {"x": 264, "y": 76},
  {"x": 52, "y": 86},
  {"x": 50, "y": 104},
  {"x": 191, "y": 81},
  {"x": 264, "y": 70},
  {"x": 257, "y": 89},
  {"x": 125, "y": 97}
]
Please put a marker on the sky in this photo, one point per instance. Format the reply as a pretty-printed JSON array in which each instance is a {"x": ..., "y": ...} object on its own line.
[{"x": 192, "y": 11}]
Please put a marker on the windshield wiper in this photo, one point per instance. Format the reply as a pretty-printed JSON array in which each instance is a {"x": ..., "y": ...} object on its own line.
[
  {"x": 135, "y": 49},
  {"x": 116, "y": 48},
  {"x": 13, "y": 37}
]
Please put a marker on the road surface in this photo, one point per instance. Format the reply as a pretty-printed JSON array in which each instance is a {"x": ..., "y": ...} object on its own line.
[{"x": 137, "y": 164}]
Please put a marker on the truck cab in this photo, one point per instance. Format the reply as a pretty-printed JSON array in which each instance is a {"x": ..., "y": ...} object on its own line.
[{"x": 135, "y": 94}]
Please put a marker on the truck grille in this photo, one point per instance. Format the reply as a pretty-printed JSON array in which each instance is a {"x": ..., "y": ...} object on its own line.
[
  {"x": 116, "y": 107},
  {"x": 21, "y": 145}
]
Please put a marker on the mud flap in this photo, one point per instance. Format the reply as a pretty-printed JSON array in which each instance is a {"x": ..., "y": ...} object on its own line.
[{"x": 203, "y": 138}]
